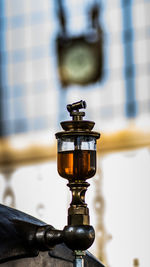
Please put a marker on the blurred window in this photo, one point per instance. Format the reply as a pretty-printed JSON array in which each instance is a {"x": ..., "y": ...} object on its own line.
[{"x": 31, "y": 95}]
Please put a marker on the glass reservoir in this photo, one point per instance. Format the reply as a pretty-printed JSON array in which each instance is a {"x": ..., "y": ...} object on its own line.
[{"x": 76, "y": 159}]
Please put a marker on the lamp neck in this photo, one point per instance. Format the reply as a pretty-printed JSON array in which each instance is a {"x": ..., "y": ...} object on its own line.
[{"x": 78, "y": 212}]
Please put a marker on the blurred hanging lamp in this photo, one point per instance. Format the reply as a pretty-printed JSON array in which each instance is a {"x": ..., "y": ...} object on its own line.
[{"x": 80, "y": 59}]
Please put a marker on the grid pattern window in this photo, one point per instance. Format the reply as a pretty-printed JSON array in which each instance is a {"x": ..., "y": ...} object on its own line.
[
  {"x": 28, "y": 67},
  {"x": 31, "y": 94}
]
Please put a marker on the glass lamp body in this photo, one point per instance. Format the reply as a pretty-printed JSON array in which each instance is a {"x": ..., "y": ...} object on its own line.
[{"x": 76, "y": 157}]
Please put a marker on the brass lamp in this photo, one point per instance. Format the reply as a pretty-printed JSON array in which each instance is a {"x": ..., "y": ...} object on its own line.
[{"x": 76, "y": 161}]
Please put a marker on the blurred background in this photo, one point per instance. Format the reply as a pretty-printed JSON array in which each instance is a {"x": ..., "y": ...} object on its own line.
[{"x": 57, "y": 52}]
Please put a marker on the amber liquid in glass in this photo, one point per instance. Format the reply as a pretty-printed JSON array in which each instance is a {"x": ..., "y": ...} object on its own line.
[{"x": 77, "y": 164}]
